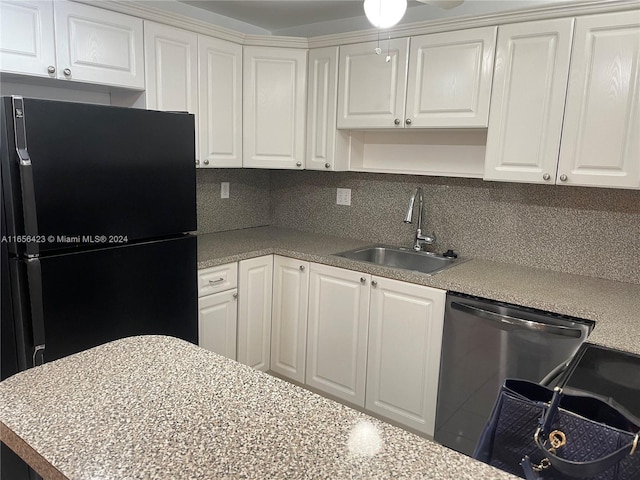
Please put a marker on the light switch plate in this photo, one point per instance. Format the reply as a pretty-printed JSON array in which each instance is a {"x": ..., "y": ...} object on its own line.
[
  {"x": 343, "y": 196},
  {"x": 224, "y": 189}
]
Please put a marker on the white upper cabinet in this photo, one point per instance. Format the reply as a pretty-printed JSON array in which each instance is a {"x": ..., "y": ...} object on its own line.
[
  {"x": 527, "y": 103},
  {"x": 371, "y": 91},
  {"x": 405, "y": 337},
  {"x": 337, "y": 332},
  {"x": 327, "y": 147},
  {"x": 91, "y": 44},
  {"x": 449, "y": 82},
  {"x": 274, "y": 107},
  {"x": 171, "y": 62},
  {"x": 26, "y": 38},
  {"x": 220, "y": 100},
  {"x": 601, "y": 133},
  {"x": 98, "y": 46}
]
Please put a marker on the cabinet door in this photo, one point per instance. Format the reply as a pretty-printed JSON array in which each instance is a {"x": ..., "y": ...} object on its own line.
[
  {"x": 601, "y": 133},
  {"x": 372, "y": 91},
  {"x": 26, "y": 38},
  {"x": 527, "y": 102},
  {"x": 254, "y": 312},
  {"x": 274, "y": 95},
  {"x": 171, "y": 60},
  {"x": 289, "y": 317},
  {"x": 337, "y": 332},
  {"x": 98, "y": 46},
  {"x": 327, "y": 147},
  {"x": 449, "y": 81},
  {"x": 220, "y": 99},
  {"x": 217, "y": 320},
  {"x": 405, "y": 334}
]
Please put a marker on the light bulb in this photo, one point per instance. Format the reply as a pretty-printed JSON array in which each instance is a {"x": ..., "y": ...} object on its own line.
[{"x": 384, "y": 13}]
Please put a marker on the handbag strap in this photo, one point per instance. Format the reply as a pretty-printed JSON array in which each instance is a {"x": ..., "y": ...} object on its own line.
[
  {"x": 586, "y": 469},
  {"x": 527, "y": 468}
]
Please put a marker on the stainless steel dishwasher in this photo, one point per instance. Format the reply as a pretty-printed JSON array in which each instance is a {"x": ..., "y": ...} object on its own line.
[{"x": 485, "y": 342}]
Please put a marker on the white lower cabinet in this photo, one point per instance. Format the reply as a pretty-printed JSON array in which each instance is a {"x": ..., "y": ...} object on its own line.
[
  {"x": 255, "y": 279},
  {"x": 337, "y": 332},
  {"x": 217, "y": 320},
  {"x": 218, "y": 309},
  {"x": 370, "y": 341},
  {"x": 403, "y": 364},
  {"x": 289, "y": 317}
]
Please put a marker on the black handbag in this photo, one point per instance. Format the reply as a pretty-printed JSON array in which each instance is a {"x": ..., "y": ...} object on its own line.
[{"x": 538, "y": 433}]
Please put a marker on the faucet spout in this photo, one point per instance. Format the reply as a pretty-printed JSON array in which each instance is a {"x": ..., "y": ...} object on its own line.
[{"x": 420, "y": 239}]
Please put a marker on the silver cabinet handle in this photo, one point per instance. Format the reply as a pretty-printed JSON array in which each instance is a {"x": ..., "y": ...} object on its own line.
[
  {"x": 327, "y": 165},
  {"x": 197, "y": 162},
  {"x": 408, "y": 121},
  {"x": 51, "y": 69},
  {"x": 217, "y": 281},
  {"x": 206, "y": 162},
  {"x": 518, "y": 322},
  {"x": 396, "y": 121},
  {"x": 546, "y": 176},
  {"x": 67, "y": 72},
  {"x": 563, "y": 178},
  {"x": 374, "y": 284},
  {"x": 302, "y": 268},
  {"x": 363, "y": 280},
  {"x": 298, "y": 164},
  {"x": 235, "y": 296}
]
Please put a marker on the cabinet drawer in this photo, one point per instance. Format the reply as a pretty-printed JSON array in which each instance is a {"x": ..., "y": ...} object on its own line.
[{"x": 217, "y": 279}]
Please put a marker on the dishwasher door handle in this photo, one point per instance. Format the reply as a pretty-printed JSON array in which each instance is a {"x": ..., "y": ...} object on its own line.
[{"x": 518, "y": 322}]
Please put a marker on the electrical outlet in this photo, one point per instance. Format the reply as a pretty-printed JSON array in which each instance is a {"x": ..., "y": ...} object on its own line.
[
  {"x": 224, "y": 190},
  {"x": 343, "y": 196}
]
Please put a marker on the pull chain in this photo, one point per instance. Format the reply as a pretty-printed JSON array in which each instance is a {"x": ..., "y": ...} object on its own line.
[{"x": 388, "y": 59}]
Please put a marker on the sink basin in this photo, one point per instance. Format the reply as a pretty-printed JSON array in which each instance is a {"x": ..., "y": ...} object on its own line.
[{"x": 424, "y": 262}]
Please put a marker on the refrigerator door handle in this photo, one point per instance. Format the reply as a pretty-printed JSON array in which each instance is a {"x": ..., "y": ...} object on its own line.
[
  {"x": 26, "y": 178},
  {"x": 34, "y": 279}
]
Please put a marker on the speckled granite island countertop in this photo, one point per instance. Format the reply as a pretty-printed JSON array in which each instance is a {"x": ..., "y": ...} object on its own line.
[
  {"x": 614, "y": 306},
  {"x": 156, "y": 407}
]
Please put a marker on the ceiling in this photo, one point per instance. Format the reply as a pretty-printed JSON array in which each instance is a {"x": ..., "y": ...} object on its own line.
[{"x": 282, "y": 15}]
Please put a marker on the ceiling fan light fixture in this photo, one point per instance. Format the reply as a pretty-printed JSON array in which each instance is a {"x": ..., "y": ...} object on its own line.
[{"x": 384, "y": 13}]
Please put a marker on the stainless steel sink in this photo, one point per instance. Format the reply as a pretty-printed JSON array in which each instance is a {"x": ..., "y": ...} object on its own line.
[{"x": 424, "y": 262}]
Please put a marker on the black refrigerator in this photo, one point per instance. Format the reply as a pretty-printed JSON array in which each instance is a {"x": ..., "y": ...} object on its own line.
[{"x": 97, "y": 206}]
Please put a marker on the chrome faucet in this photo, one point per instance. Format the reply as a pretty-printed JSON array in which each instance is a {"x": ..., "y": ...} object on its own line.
[{"x": 421, "y": 240}]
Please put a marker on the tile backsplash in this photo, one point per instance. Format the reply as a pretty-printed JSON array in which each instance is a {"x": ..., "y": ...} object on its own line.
[
  {"x": 247, "y": 205},
  {"x": 588, "y": 231}
]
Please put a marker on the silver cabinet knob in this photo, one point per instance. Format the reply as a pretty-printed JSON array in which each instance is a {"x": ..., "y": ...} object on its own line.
[
  {"x": 302, "y": 268},
  {"x": 67, "y": 72},
  {"x": 363, "y": 280},
  {"x": 327, "y": 165},
  {"x": 298, "y": 164},
  {"x": 563, "y": 178},
  {"x": 51, "y": 69},
  {"x": 546, "y": 176},
  {"x": 197, "y": 162},
  {"x": 206, "y": 162},
  {"x": 396, "y": 121},
  {"x": 235, "y": 296},
  {"x": 408, "y": 121},
  {"x": 374, "y": 284}
]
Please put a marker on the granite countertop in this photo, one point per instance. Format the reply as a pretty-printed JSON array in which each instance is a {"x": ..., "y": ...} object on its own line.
[
  {"x": 614, "y": 306},
  {"x": 156, "y": 407}
]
